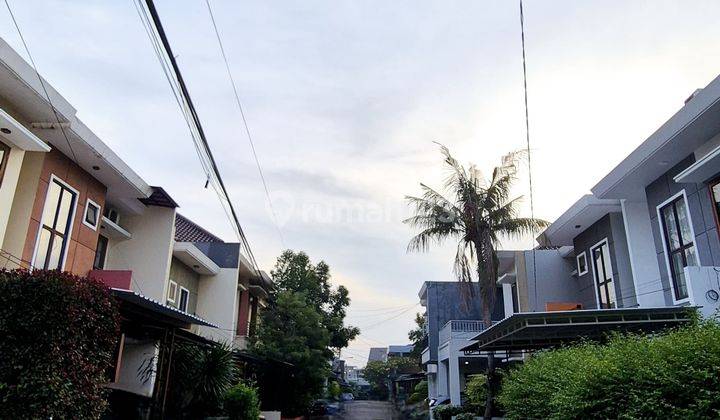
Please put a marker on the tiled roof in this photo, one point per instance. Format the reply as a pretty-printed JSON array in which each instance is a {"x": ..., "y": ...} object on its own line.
[{"x": 187, "y": 231}]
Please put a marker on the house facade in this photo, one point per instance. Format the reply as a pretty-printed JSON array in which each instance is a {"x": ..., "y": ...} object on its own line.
[{"x": 69, "y": 203}]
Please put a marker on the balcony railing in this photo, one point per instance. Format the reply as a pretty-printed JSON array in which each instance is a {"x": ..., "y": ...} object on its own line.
[{"x": 460, "y": 329}]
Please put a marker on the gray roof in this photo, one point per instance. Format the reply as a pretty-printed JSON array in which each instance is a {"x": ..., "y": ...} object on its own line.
[
  {"x": 400, "y": 348},
  {"x": 378, "y": 354},
  {"x": 188, "y": 231}
]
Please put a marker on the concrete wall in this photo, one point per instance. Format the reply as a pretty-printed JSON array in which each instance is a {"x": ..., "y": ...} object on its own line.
[
  {"x": 217, "y": 297},
  {"x": 8, "y": 185},
  {"x": 148, "y": 252},
  {"x": 612, "y": 228},
  {"x": 701, "y": 211},
  {"x": 554, "y": 282},
  {"x": 135, "y": 356},
  {"x": 185, "y": 277},
  {"x": 80, "y": 251},
  {"x": 446, "y": 301},
  {"x": 22, "y": 205}
]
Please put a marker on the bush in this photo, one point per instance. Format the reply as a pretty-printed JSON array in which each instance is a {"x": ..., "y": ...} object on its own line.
[
  {"x": 445, "y": 412},
  {"x": 420, "y": 392},
  {"x": 59, "y": 334},
  {"x": 674, "y": 375},
  {"x": 476, "y": 393},
  {"x": 242, "y": 403},
  {"x": 466, "y": 416}
]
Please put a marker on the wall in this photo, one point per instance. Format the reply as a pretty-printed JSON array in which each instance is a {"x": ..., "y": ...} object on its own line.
[
  {"x": 702, "y": 216},
  {"x": 612, "y": 228},
  {"x": 22, "y": 205},
  {"x": 216, "y": 303},
  {"x": 446, "y": 302},
  {"x": 554, "y": 284},
  {"x": 8, "y": 185},
  {"x": 136, "y": 355},
  {"x": 148, "y": 252},
  {"x": 185, "y": 277},
  {"x": 80, "y": 251}
]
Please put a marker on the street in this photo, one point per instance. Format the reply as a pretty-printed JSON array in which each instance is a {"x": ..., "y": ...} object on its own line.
[{"x": 368, "y": 410}]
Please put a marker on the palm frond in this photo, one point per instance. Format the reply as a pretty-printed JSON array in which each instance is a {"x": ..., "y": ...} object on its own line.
[{"x": 516, "y": 228}]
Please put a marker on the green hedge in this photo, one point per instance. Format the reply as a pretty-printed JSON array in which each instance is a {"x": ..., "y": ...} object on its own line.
[
  {"x": 58, "y": 333},
  {"x": 675, "y": 375},
  {"x": 242, "y": 402}
]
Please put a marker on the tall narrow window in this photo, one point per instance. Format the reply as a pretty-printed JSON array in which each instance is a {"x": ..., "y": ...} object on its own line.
[
  {"x": 515, "y": 302},
  {"x": 679, "y": 244},
  {"x": 55, "y": 226},
  {"x": 100, "y": 253},
  {"x": 602, "y": 268},
  {"x": 4, "y": 154},
  {"x": 184, "y": 299}
]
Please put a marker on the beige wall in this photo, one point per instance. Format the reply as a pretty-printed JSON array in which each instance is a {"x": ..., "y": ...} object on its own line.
[
  {"x": 22, "y": 205},
  {"x": 185, "y": 277},
  {"x": 217, "y": 303},
  {"x": 8, "y": 186},
  {"x": 148, "y": 252}
]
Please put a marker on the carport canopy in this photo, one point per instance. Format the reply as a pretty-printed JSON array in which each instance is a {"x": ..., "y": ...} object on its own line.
[{"x": 539, "y": 330}]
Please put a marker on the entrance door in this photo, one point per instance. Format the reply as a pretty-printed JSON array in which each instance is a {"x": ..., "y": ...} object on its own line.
[{"x": 602, "y": 269}]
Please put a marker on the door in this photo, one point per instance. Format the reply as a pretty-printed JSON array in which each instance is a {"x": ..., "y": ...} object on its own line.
[{"x": 602, "y": 269}]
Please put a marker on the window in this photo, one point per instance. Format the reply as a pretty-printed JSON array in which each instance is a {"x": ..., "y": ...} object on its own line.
[
  {"x": 582, "y": 267},
  {"x": 184, "y": 299},
  {"x": 4, "y": 154},
  {"x": 679, "y": 243},
  {"x": 92, "y": 214},
  {"x": 172, "y": 292},
  {"x": 602, "y": 268},
  {"x": 100, "y": 253},
  {"x": 112, "y": 214},
  {"x": 515, "y": 302},
  {"x": 55, "y": 226}
]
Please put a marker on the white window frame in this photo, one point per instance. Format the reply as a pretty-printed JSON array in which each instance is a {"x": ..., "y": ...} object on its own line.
[
  {"x": 179, "y": 300},
  {"x": 99, "y": 214},
  {"x": 54, "y": 178},
  {"x": 612, "y": 276},
  {"x": 666, "y": 251},
  {"x": 577, "y": 263},
  {"x": 172, "y": 284}
]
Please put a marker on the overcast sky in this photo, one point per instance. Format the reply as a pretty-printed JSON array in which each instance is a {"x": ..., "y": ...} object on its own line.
[{"x": 345, "y": 98}]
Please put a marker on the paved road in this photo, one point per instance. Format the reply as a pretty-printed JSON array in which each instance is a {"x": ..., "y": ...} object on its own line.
[{"x": 368, "y": 410}]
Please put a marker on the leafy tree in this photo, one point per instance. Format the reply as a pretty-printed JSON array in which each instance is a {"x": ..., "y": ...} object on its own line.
[
  {"x": 477, "y": 214},
  {"x": 418, "y": 337},
  {"x": 58, "y": 333},
  {"x": 303, "y": 326},
  {"x": 378, "y": 373}
]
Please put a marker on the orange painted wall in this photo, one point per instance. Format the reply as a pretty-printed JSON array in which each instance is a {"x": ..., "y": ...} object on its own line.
[{"x": 83, "y": 240}]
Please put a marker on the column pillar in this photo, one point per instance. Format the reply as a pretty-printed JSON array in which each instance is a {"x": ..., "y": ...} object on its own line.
[{"x": 454, "y": 379}]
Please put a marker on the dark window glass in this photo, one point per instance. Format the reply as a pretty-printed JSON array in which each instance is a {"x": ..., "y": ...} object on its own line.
[
  {"x": 184, "y": 297},
  {"x": 4, "y": 153},
  {"x": 91, "y": 214},
  {"x": 515, "y": 303},
  {"x": 100, "y": 253},
  {"x": 602, "y": 267},
  {"x": 679, "y": 243},
  {"x": 55, "y": 226}
]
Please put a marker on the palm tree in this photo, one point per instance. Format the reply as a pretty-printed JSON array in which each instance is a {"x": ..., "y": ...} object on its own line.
[{"x": 477, "y": 213}]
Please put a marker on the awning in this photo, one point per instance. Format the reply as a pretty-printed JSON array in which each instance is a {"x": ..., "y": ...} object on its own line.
[
  {"x": 538, "y": 330},
  {"x": 140, "y": 305}
]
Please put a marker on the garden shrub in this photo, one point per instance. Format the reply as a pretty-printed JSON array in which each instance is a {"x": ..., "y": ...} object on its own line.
[
  {"x": 445, "y": 412},
  {"x": 466, "y": 416},
  {"x": 58, "y": 336},
  {"x": 476, "y": 393},
  {"x": 673, "y": 375},
  {"x": 242, "y": 402},
  {"x": 420, "y": 392}
]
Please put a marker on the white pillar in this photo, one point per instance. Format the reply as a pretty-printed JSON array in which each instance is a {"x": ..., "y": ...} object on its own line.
[
  {"x": 432, "y": 385},
  {"x": 643, "y": 256},
  {"x": 454, "y": 379},
  {"x": 442, "y": 379},
  {"x": 507, "y": 299}
]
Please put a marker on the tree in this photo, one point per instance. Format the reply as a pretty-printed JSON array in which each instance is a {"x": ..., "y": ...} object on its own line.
[
  {"x": 303, "y": 326},
  {"x": 379, "y": 373},
  {"x": 418, "y": 337},
  {"x": 477, "y": 214}
]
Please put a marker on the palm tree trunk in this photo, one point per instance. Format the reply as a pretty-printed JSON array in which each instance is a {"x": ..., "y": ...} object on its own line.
[
  {"x": 487, "y": 287},
  {"x": 490, "y": 375}
]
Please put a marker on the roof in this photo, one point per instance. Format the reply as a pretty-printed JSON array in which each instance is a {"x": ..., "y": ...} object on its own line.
[
  {"x": 377, "y": 354},
  {"x": 159, "y": 197},
  {"x": 537, "y": 330},
  {"x": 581, "y": 215},
  {"x": 696, "y": 122},
  {"x": 407, "y": 348},
  {"x": 147, "y": 307},
  {"x": 188, "y": 231}
]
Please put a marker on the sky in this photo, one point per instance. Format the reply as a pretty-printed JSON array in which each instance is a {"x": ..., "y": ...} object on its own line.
[{"x": 345, "y": 99}]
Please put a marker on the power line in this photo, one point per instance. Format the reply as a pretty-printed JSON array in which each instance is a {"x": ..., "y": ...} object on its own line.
[
  {"x": 245, "y": 124},
  {"x": 42, "y": 83},
  {"x": 198, "y": 130}
]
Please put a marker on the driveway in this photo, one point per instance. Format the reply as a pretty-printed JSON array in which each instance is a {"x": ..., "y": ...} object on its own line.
[{"x": 368, "y": 410}]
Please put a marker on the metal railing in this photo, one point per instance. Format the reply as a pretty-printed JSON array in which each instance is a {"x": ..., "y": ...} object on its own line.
[{"x": 463, "y": 329}]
